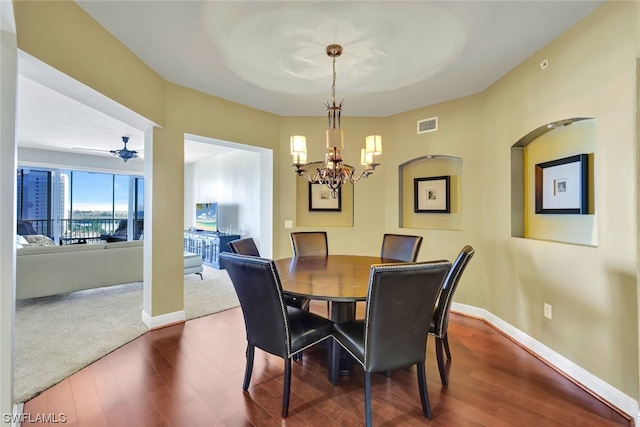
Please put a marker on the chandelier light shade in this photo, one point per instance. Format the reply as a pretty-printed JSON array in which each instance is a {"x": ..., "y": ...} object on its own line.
[
  {"x": 333, "y": 171},
  {"x": 299, "y": 149}
]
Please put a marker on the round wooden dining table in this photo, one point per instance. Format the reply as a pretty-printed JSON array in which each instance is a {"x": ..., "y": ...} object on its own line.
[{"x": 340, "y": 279}]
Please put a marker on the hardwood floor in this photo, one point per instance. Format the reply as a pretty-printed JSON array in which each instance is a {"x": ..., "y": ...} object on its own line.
[{"x": 191, "y": 375}]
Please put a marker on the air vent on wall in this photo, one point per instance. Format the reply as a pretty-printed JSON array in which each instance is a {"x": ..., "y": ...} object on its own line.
[{"x": 428, "y": 125}]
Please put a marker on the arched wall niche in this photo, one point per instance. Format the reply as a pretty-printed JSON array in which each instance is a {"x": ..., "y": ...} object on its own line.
[
  {"x": 307, "y": 218},
  {"x": 426, "y": 167},
  {"x": 552, "y": 141}
]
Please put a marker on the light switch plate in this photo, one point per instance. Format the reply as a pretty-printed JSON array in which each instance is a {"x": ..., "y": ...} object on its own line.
[
  {"x": 547, "y": 311},
  {"x": 288, "y": 223}
]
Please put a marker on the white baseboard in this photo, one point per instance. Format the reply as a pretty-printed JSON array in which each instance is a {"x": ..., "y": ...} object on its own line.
[
  {"x": 580, "y": 376},
  {"x": 163, "y": 320}
]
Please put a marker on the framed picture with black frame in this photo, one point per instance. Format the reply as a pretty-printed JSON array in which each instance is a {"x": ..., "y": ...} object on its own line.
[
  {"x": 321, "y": 198},
  {"x": 431, "y": 194},
  {"x": 561, "y": 185}
]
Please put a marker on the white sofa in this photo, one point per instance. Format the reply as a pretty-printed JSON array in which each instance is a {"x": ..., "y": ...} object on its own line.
[{"x": 50, "y": 270}]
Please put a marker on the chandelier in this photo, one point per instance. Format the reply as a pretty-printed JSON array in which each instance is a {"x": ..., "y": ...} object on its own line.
[{"x": 333, "y": 171}]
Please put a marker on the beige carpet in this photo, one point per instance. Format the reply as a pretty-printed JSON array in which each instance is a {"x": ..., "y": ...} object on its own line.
[{"x": 59, "y": 335}]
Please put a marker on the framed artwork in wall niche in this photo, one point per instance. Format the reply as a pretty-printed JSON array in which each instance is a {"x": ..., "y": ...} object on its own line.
[
  {"x": 431, "y": 194},
  {"x": 320, "y": 198},
  {"x": 561, "y": 186}
]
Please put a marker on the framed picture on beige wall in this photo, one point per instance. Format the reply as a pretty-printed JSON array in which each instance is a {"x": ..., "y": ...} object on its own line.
[
  {"x": 561, "y": 186},
  {"x": 432, "y": 194},
  {"x": 321, "y": 198}
]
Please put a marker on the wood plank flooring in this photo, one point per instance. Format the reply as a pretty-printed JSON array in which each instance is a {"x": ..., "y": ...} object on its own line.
[{"x": 191, "y": 375}]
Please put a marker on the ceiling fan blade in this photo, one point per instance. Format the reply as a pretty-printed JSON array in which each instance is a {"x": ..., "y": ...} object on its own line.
[{"x": 90, "y": 149}]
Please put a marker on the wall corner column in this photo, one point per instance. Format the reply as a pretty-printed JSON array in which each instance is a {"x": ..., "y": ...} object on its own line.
[{"x": 163, "y": 294}]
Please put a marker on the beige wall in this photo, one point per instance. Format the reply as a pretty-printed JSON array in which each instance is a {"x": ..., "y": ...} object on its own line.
[
  {"x": 592, "y": 73},
  {"x": 593, "y": 291},
  {"x": 164, "y": 214},
  {"x": 459, "y": 135}
]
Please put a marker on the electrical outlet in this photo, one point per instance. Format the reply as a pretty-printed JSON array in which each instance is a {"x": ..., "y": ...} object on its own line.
[{"x": 547, "y": 310}]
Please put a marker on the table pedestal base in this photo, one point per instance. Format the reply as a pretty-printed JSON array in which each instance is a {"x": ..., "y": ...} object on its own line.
[{"x": 341, "y": 312}]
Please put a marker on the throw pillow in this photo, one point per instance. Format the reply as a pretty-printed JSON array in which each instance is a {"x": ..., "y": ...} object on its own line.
[
  {"x": 21, "y": 241},
  {"x": 39, "y": 240}
]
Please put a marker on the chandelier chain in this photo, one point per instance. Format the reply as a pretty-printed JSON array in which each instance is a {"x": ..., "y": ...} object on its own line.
[{"x": 333, "y": 87}]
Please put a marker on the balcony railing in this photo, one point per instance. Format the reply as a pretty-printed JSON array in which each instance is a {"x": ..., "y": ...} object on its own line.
[{"x": 87, "y": 227}]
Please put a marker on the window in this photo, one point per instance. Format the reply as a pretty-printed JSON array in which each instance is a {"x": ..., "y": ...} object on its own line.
[
  {"x": 79, "y": 206},
  {"x": 34, "y": 200}
]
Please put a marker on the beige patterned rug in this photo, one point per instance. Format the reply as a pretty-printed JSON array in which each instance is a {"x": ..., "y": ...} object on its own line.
[{"x": 57, "y": 336}]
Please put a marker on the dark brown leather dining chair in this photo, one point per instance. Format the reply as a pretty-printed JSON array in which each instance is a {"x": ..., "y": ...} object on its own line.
[
  {"x": 309, "y": 243},
  {"x": 392, "y": 335},
  {"x": 247, "y": 246},
  {"x": 401, "y": 247},
  {"x": 271, "y": 325},
  {"x": 440, "y": 320}
]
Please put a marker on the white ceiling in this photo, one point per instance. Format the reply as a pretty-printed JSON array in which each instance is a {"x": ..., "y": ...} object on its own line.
[{"x": 270, "y": 55}]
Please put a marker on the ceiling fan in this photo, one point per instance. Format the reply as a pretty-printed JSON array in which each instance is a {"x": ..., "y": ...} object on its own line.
[{"x": 124, "y": 153}]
